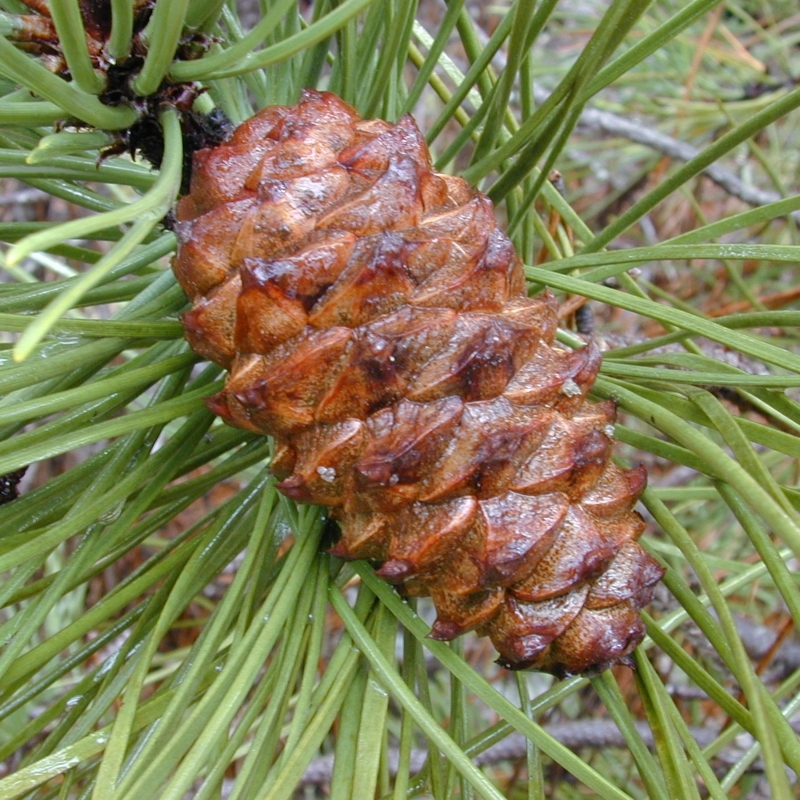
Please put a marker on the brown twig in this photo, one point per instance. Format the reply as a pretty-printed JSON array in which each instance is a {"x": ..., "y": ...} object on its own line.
[{"x": 772, "y": 301}]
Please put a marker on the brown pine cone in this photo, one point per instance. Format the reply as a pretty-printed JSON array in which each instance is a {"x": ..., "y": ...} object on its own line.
[{"x": 375, "y": 322}]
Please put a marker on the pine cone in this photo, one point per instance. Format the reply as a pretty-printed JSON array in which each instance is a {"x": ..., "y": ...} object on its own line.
[{"x": 375, "y": 322}]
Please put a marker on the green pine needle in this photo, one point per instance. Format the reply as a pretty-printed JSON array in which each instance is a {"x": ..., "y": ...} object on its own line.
[{"x": 170, "y": 626}]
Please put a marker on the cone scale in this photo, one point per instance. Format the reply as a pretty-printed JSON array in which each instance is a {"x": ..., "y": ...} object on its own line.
[{"x": 374, "y": 320}]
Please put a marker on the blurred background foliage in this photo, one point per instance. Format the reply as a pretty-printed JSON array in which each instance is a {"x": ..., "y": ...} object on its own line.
[{"x": 171, "y": 627}]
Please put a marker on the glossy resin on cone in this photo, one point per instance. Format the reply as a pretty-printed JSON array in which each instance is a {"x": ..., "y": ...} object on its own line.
[{"x": 375, "y": 322}]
